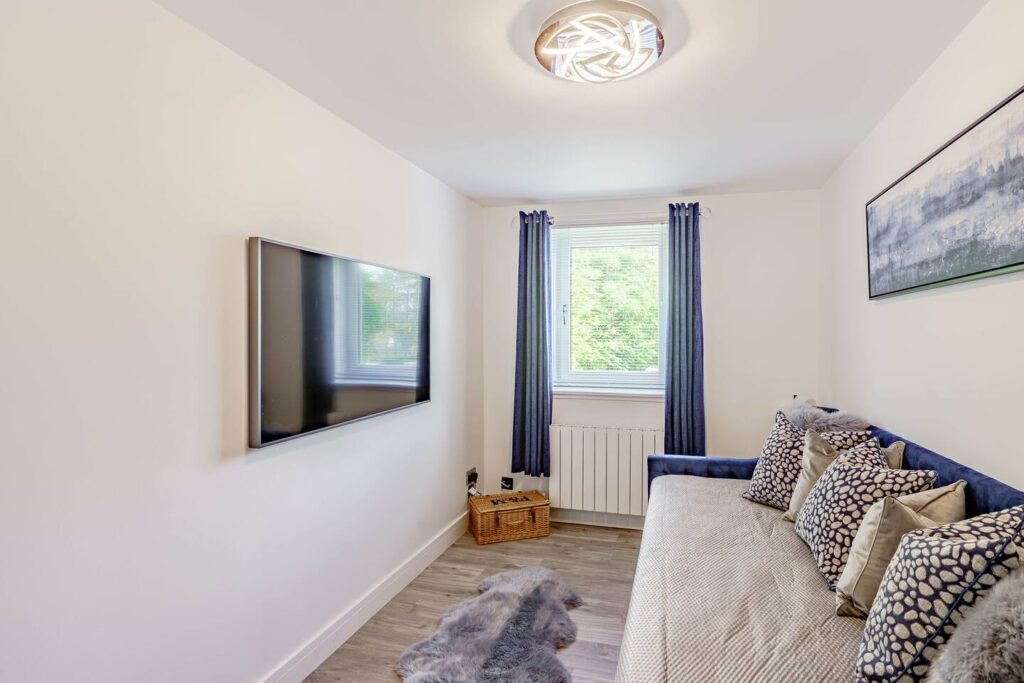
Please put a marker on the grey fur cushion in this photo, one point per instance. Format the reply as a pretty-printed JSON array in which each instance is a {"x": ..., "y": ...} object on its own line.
[
  {"x": 989, "y": 644},
  {"x": 811, "y": 417}
]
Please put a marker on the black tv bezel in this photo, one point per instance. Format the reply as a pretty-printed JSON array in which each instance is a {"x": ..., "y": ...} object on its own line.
[{"x": 255, "y": 333}]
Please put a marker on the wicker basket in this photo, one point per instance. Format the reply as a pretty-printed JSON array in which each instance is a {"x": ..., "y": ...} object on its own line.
[{"x": 509, "y": 517}]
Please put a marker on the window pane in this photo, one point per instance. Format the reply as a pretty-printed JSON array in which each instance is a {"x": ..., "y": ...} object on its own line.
[
  {"x": 389, "y": 317},
  {"x": 614, "y": 305}
]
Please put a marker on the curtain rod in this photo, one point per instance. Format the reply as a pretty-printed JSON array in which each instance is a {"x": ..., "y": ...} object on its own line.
[
  {"x": 621, "y": 218},
  {"x": 624, "y": 218}
]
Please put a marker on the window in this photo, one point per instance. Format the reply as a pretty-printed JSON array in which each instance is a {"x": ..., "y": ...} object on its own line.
[
  {"x": 377, "y": 333},
  {"x": 607, "y": 306}
]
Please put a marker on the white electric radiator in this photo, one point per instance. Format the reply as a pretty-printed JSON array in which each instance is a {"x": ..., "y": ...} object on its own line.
[{"x": 601, "y": 469}]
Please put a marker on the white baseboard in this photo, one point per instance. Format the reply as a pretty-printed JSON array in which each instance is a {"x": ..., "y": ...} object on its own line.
[
  {"x": 320, "y": 647},
  {"x": 597, "y": 518}
]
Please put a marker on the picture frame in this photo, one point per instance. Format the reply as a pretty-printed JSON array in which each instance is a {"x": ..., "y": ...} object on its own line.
[{"x": 956, "y": 216}]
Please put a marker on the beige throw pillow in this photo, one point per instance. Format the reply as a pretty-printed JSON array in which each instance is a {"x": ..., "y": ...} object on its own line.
[
  {"x": 818, "y": 455},
  {"x": 894, "y": 454},
  {"x": 879, "y": 535}
]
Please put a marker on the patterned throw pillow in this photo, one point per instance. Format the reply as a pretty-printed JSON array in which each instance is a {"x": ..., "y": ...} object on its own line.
[
  {"x": 935, "y": 578},
  {"x": 829, "y": 519},
  {"x": 819, "y": 454},
  {"x": 778, "y": 467},
  {"x": 868, "y": 454}
]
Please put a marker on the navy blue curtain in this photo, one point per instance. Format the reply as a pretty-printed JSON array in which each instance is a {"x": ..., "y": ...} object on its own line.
[
  {"x": 684, "y": 366},
  {"x": 531, "y": 419}
]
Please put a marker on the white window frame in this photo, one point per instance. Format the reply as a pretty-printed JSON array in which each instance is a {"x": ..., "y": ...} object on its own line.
[{"x": 563, "y": 240}]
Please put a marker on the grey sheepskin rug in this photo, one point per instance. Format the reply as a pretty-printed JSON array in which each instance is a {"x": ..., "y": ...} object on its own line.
[
  {"x": 988, "y": 645},
  {"x": 811, "y": 417},
  {"x": 507, "y": 634}
]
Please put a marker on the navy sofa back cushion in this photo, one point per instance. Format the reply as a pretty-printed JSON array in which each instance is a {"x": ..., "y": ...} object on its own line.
[{"x": 984, "y": 494}]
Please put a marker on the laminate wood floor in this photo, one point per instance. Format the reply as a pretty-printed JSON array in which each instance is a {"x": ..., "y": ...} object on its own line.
[{"x": 598, "y": 562}]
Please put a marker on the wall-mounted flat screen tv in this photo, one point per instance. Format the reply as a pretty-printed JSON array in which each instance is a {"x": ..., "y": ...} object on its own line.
[{"x": 331, "y": 340}]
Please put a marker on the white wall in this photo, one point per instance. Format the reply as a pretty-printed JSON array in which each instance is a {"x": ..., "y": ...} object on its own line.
[
  {"x": 761, "y": 260},
  {"x": 943, "y": 367},
  {"x": 140, "y": 539}
]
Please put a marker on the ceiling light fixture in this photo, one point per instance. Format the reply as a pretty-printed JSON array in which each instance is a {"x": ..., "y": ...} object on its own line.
[{"x": 599, "y": 41}]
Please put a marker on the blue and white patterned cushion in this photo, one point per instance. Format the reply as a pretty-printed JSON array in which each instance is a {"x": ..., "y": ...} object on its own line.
[
  {"x": 935, "y": 578},
  {"x": 777, "y": 469},
  {"x": 866, "y": 454},
  {"x": 830, "y": 517}
]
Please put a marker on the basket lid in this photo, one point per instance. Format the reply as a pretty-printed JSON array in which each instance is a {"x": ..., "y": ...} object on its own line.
[{"x": 513, "y": 500}]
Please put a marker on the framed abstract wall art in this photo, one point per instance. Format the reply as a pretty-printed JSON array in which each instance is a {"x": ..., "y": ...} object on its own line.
[{"x": 958, "y": 215}]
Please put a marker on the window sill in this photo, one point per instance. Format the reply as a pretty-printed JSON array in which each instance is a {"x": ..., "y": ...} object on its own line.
[{"x": 609, "y": 394}]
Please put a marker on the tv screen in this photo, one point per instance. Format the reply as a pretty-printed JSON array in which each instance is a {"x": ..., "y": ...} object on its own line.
[{"x": 332, "y": 340}]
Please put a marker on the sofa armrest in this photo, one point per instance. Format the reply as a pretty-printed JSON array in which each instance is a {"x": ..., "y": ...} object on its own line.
[{"x": 699, "y": 466}]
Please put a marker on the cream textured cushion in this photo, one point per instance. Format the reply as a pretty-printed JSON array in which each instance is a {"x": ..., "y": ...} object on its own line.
[
  {"x": 944, "y": 505},
  {"x": 818, "y": 455},
  {"x": 894, "y": 454},
  {"x": 879, "y": 535}
]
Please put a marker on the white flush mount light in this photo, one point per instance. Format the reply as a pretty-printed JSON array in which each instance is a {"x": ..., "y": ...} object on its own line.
[{"x": 599, "y": 41}]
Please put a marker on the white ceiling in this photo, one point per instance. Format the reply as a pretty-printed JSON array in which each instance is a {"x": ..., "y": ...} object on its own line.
[{"x": 750, "y": 94}]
